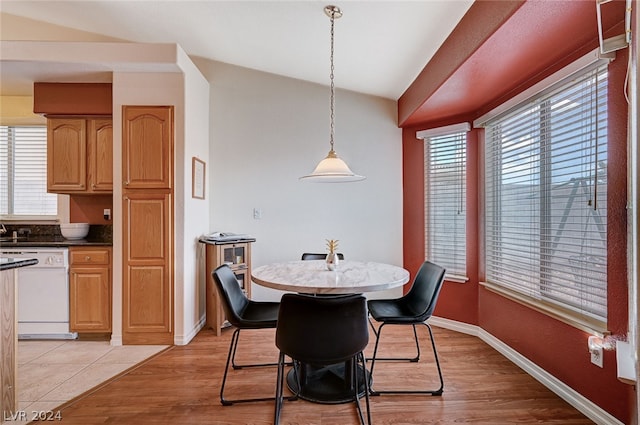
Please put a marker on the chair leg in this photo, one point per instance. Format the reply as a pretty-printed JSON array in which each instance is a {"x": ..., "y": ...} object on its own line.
[
  {"x": 240, "y": 366},
  {"x": 356, "y": 387},
  {"x": 410, "y": 359},
  {"x": 279, "y": 387},
  {"x": 232, "y": 348},
  {"x": 435, "y": 355},
  {"x": 436, "y": 392},
  {"x": 367, "y": 386}
]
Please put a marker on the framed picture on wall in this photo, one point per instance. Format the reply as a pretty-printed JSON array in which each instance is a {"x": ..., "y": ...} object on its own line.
[{"x": 197, "y": 178}]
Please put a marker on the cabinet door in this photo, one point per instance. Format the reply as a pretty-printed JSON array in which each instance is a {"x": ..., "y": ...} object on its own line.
[
  {"x": 66, "y": 155},
  {"x": 100, "y": 154},
  {"x": 148, "y": 270},
  {"x": 234, "y": 254},
  {"x": 147, "y": 147},
  {"x": 90, "y": 299}
]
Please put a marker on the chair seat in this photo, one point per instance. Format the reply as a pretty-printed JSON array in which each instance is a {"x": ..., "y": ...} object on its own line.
[
  {"x": 392, "y": 311},
  {"x": 260, "y": 315}
]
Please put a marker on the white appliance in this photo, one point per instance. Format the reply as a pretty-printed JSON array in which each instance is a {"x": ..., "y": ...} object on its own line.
[{"x": 43, "y": 293}]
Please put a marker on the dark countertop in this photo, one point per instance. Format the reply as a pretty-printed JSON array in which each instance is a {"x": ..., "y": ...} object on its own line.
[
  {"x": 11, "y": 263},
  {"x": 52, "y": 242},
  {"x": 49, "y": 236}
]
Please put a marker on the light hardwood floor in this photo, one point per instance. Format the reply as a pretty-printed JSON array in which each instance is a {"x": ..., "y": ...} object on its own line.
[{"x": 181, "y": 386}]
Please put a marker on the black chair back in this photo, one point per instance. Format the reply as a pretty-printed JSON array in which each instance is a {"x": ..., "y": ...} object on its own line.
[
  {"x": 233, "y": 300},
  {"x": 421, "y": 298},
  {"x": 322, "y": 330},
  {"x": 314, "y": 256}
]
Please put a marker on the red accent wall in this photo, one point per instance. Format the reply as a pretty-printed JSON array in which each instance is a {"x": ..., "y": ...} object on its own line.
[
  {"x": 89, "y": 208},
  {"x": 544, "y": 36}
]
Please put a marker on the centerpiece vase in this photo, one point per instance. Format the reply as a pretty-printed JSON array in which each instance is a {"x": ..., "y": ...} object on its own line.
[{"x": 332, "y": 261}]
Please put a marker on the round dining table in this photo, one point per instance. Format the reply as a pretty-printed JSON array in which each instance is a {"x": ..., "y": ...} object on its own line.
[
  {"x": 329, "y": 383},
  {"x": 313, "y": 277}
]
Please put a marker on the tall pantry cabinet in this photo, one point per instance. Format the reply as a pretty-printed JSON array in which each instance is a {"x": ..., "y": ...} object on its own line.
[{"x": 147, "y": 191}]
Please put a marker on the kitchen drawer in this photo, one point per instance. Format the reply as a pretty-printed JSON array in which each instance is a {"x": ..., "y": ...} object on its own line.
[{"x": 88, "y": 256}]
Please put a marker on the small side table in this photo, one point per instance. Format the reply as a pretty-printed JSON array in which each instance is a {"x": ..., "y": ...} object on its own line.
[{"x": 237, "y": 255}]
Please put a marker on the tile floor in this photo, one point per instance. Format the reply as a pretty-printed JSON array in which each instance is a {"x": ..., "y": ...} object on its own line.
[{"x": 52, "y": 372}]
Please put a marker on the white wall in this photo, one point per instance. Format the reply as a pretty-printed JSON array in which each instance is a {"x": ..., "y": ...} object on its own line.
[
  {"x": 266, "y": 131},
  {"x": 191, "y": 214}
]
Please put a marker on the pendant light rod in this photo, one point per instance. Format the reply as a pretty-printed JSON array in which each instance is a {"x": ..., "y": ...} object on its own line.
[
  {"x": 333, "y": 12},
  {"x": 332, "y": 169}
]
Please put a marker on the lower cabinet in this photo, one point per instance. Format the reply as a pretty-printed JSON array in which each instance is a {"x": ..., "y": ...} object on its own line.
[{"x": 90, "y": 289}]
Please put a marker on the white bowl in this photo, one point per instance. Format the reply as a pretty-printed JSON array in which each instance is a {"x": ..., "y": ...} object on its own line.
[{"x": 74, "y": 230}]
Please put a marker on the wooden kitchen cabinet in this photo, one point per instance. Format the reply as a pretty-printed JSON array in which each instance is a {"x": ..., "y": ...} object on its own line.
[
  {"x": 147, "y": 316},
  {"x": 66, "y": 155},
  {"x": 90, "y": 289},
  {"x": 147, "y": 147},
  {"x": 79, "y": 155},
  {"x": 148, "y": 243},
  {"x": 238, "y": 256},
  {"x": 100, "y": 155}
]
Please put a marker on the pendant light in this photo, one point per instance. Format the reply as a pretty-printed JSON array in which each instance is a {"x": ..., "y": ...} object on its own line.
[{"x": 332, "y": 169}]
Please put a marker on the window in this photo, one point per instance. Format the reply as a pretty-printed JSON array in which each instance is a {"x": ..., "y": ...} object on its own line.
[
  {"x": 23, "y": 173},
  {"x": 445, "y": 198},
  {"x": 546, "y": 199}
]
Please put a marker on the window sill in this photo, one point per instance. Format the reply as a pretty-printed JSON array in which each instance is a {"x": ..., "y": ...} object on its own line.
[
  {"x": 592, "y": 327},
  {"x": 456, "y": 278},
  {"x": 45, "y": 219}
]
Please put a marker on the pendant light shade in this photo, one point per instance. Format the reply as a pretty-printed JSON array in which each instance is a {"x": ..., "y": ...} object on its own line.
[{"x": 332, "y": 169}]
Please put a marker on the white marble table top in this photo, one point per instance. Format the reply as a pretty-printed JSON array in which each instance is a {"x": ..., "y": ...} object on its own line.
[{"x": 313, "y": 277}]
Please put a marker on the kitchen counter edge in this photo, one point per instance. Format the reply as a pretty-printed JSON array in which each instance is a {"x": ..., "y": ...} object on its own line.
[{"x": 57, "y": 243}]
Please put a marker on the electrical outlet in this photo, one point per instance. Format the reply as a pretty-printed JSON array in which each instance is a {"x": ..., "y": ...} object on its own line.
[
  {"x": 257, "y": 213},
  {"x": 597, "y": 357},
  {"x": 596, "y": 350}
]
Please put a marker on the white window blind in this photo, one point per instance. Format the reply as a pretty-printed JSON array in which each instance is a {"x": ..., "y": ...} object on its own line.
[
  {"x": 546, "y": 198},
  {"x": 445, "y": 202},
  {"x": 23, "y": 172}
]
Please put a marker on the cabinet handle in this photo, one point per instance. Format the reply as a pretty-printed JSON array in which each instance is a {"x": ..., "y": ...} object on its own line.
[
  {"x": 93, "y": 186},
  {"x": 126, "y": 183},
  {"x": 87, "y": 258}
]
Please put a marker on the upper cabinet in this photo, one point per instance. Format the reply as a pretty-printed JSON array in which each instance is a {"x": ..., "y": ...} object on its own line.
[
  {"x": 80, "y": 155},
  {"x": 100, "y": 155},
  {"x": 147, "y": 147},
  {"x": 66, "y": 155}
]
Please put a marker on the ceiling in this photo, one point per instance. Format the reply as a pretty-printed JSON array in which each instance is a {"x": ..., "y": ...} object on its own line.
[{"x": 380, "y": 46}]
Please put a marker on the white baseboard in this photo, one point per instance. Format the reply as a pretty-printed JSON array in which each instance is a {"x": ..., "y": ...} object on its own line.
[
  {"x": 185, "y": 339},
  {"x": 568, "y": 394}
]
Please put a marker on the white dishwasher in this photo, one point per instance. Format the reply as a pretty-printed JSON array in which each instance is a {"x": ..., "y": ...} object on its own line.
[{"x": 43, "y": 293}]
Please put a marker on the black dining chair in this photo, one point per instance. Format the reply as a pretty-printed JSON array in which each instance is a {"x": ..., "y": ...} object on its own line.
[
  {"x": 314, "y": 256},
  {"x": 414, "y": 308},
  {"x": 323, "y": 331},
  {"x": 242, "y": 313}
]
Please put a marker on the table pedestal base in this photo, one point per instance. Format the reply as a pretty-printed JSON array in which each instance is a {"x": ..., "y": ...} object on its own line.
[{"x": 327, "y": 384}]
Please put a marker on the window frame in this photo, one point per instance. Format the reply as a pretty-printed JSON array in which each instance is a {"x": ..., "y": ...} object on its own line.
[
  {"x": 456, "y": 137},
  {"x": 568, "y": 315}
]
